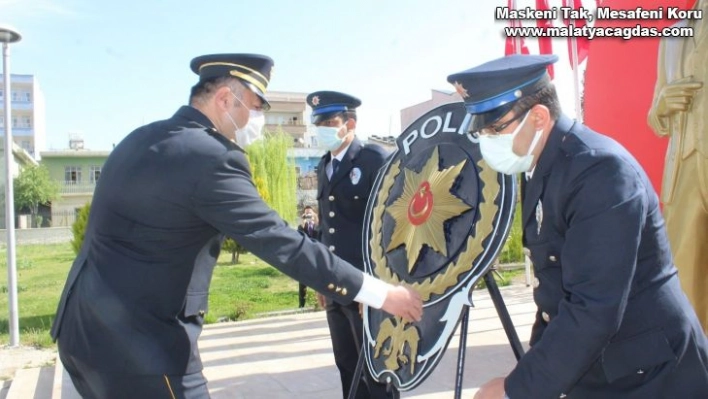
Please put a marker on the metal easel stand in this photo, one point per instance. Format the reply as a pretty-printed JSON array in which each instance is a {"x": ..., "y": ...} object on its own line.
[{"x": 505, "y": 318}]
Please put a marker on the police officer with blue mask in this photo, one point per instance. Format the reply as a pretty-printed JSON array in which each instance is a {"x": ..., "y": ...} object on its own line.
[
  {"x": 345, "y": 177},
  {"x": 612, "y": 320}
]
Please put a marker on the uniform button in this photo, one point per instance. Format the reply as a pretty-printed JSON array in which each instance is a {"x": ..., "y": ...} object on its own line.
[
  {"x": 331, "y": 230},
  {"x": 331, "y": 248},
  {"x": 552, "y": 258},
  {"x": 536, "y": 282},
  {"x": 545, "y": 317},
  {"x": 330, "y": 286},
  {"x": 331, "y": 214},
  {"x": 331, "y": 197},
  {"x": 201, "y": 313},
  {"x": 640, "y": 371},
  {"x": 344, "y": 291},
  {"x": 562, "y": 395},
  {"x": 356, "y": 197},
  {"x": 527, "y": 252},
  {"x": 339, "y": 289}
]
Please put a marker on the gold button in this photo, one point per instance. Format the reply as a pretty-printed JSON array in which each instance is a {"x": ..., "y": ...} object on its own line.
[
  {"x": 344, "y": 291},
  {"x": 331, "y": 230},
  {"x": 331, "y": 214},
  {"x": 339, "y": 289},
  {"x": 330, "y": 286},
  {"x": 331, "y": 248},
  {"x": 536, "y": 282},
  {"x": 552, "y": 258},
  {"x": 545, "y": 317},
  {"x": 527, "y": 252},
  {"x": 331, "y": 197}
]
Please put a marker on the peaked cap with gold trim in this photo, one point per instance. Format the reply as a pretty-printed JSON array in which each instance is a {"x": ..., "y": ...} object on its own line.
[{"x": 253, "y": 70}]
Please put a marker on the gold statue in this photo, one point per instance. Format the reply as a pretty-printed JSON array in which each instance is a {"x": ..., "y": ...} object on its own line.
[{"x": 680, "y": 111}]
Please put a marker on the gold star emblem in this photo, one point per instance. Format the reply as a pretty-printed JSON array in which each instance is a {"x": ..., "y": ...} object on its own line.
[
  {"x": 315, "y": 100},
  {"x": 460, "y": 90},
  {"x": 423, "y": 208}
]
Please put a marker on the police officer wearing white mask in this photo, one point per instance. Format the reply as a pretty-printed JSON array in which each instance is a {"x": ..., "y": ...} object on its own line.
[
  {"x": 612, "y": 321},
  {"x": 345, "y": 177}
]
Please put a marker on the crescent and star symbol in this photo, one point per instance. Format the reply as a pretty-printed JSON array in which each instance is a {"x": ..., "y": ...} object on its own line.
[{"x": 421, "y": 211}]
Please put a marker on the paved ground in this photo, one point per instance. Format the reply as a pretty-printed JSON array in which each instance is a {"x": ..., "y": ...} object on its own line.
[{"x": 291, "y": 357}]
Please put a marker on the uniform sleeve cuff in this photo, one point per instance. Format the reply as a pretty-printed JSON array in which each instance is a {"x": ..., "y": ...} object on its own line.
[{"x": 373, "y": 292}]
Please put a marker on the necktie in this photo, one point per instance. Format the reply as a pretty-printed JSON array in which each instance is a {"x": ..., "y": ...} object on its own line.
[{"x": 335, "y": 165}]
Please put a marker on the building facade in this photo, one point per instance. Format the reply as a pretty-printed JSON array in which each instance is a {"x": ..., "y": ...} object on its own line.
[
  {"x": 77, "y": 171},
  {"x": 28, "y": 113},
  {"x": 437, "y": 98},
  {"x": 20, "y": 160},
  {"x": 289, "y": 112}
]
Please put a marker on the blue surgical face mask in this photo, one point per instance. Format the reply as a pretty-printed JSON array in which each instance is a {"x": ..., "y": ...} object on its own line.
[
  {"x": 328, "y": 137},
  {"x": 498, "y": 153}
]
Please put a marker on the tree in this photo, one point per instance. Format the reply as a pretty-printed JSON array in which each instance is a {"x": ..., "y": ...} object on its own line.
[
  {"x": 34, "y": 187},
  {"x": 274, "y": 174},
  {"x": 275, "y": 179},
  {"x": 234, "y": 248},
  {"x": 79, "y": 227}
]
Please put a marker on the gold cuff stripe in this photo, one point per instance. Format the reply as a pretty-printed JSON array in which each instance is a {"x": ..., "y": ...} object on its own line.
[
  {"x": 167, "y": 381},
  {"x": 249, "y": 79}
]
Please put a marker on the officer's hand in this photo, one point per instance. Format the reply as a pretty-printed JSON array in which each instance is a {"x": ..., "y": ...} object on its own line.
[
  {"x": 403, "y": 302},
  {"x": 492, "y": 389},
  {"x": 676, "y": 97},
  {"x": 321, "y": 300}
]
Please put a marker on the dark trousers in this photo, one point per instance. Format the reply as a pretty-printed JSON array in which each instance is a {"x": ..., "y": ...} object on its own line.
[
  {"x": 347, "y": 332},
  {"x": 93, "y": 384},
  {"x": 302, "y": 294}
]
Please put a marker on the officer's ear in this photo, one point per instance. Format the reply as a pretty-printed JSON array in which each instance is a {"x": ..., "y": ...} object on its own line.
[
  {"x": 350, "y": 123},
  {"x": 223, "y": 98},
  {"x": 540, "y": 117}
]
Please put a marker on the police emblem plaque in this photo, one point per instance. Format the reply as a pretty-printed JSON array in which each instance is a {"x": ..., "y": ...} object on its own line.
[{"x": 436, "y": 220}]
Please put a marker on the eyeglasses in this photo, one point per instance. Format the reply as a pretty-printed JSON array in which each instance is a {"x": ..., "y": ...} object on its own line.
[{"x": 493, "y": 130}]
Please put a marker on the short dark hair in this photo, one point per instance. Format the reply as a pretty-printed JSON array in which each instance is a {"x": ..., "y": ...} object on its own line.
[
  {"x": 205, "y": 88},
  {"x": 546, "y": 96}
]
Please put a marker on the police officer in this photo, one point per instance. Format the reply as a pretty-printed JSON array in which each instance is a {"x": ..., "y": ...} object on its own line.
[
  {"x": 612, "y": 321},
  {"x": 345, "y": 177},
  {"x": 135, "y": 299}
]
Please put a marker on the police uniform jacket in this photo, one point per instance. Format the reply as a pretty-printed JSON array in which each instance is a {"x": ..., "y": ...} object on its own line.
[
  {"x": 342, "y": 200},
  {"x": 137, "y": 293},
  {"x": 612, "y": 321}
]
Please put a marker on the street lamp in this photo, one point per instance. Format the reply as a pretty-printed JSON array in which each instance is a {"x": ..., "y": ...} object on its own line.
[{"x": 7, "y": 36}]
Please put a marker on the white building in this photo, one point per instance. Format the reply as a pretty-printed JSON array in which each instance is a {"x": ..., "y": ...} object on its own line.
[{"x": 29, "y": 130}]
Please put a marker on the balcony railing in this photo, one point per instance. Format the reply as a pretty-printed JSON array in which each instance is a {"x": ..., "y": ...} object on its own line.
[{"x": 70, "y": 187}]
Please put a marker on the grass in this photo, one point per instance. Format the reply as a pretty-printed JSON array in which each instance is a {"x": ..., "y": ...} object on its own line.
[{"x": 237, "y": 291}]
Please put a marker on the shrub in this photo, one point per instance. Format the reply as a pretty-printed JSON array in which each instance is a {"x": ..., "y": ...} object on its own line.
[{"x": 79, "y": 227}]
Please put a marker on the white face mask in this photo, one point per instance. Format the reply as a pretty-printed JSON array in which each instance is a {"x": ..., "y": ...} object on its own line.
[
  {"x": 498, "y": 153},
  {"x": 328, "y": 137},
  {"x": 253, "y": 130}
]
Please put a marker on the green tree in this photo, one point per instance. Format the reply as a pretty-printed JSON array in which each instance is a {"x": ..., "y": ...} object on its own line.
[
  {"x": 274, "y": 174},
  {"x": 234, "y": 248},
  {"x": 33, "y": 187},
  {"x": 79, "y": 227}
]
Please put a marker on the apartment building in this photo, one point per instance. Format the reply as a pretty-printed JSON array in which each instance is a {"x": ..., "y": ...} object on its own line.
[{"x": 28, "y": 113}]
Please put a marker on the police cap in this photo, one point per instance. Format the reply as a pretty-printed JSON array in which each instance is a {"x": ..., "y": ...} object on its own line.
[
  {"x": 327, "y": 104},
  {"x": 253, "y": 70},
  {"x": 490, "y": 90}
]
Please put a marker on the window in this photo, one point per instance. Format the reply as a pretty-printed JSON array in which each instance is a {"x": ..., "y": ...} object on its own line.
[
  {"x": 15, "y": 96},
  {"x": 94, "y": 174},
  {"x": 28, "y": 97},
  {"x": 72, "y": 174},
  {"x": 26, "y": 122}
]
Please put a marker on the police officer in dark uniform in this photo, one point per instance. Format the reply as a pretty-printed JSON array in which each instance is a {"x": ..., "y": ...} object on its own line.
[
  {"x": 345, "y": 177},
  {"x": 135, "y": 299},
  {"x": 612, "y": 321}
]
